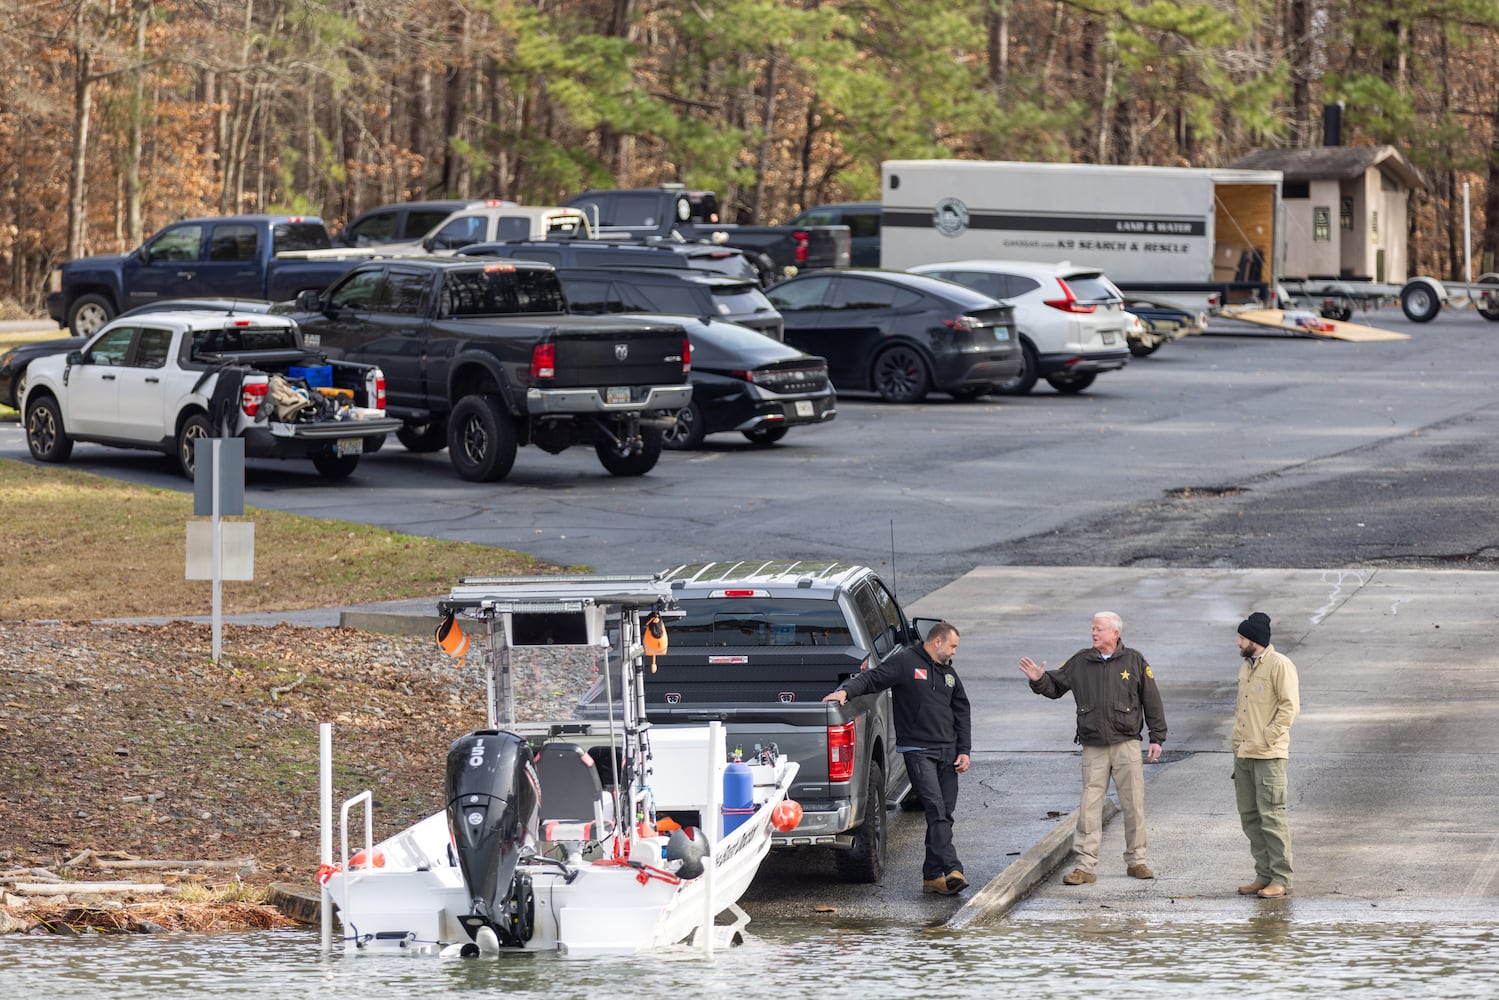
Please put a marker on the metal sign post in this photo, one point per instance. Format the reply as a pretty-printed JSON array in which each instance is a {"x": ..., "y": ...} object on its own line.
[{"x": 219, "y": 490}]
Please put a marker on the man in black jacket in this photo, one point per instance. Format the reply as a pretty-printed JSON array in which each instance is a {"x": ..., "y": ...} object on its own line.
[
  {"x": 1116, "y": 696},
  {"x": 933, "y": 729}
]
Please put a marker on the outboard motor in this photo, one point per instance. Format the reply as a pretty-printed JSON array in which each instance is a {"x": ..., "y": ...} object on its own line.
[{"x": 492, "y": 815}]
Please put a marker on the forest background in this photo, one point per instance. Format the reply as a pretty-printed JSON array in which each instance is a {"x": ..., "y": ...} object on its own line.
[{"x": 119, "y": 116}]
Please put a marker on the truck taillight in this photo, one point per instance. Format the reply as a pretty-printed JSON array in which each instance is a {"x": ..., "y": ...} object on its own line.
[
  {"x": 251, "y": 396},
  {"x": 544, "y": 361},
  {"x": 1068, "y": 303},
  {"x": 841, "y": 742},
  {"x": 686, "y": 356},
  {"x": 379, "y": 393},
  {"x": 802, "y": 240}
]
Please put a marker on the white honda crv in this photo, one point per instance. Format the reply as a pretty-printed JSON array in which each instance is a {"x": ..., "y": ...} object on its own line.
[{"x": 1071, "y": 321}]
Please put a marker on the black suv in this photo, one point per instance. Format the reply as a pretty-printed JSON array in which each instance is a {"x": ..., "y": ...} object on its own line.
[
  {"x": 401, "y": 222},
  {"x": 681, "y": 292},
  {"x": 608, "y": 253}
]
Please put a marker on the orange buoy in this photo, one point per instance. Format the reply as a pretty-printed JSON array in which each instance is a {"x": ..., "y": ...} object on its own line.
[
  {"x": 786, "y": 816},
  {"x": 451, "y": 637},
  {"x": 360, "y": 861}
]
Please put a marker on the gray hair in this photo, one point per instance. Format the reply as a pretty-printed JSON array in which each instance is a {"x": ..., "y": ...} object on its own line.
[{"x": 1113, "y": 619}]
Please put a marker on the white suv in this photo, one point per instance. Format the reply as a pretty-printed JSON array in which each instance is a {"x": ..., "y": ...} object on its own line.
[{"x": 1071, "y": 321}]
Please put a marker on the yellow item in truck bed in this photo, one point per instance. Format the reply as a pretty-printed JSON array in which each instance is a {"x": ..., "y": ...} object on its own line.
[{"x": 337, "y": 393}]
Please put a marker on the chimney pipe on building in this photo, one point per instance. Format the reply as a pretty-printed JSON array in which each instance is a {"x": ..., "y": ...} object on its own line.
[{"x": 1332, "y": 124}]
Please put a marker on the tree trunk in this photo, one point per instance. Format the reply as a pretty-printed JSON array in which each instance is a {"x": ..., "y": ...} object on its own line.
[
  {"x": 133, "y": 225},
  {"x": 767, "y": 134},
  {"x": 83, "y": 100},
  {"x": 997, "y": 29}
]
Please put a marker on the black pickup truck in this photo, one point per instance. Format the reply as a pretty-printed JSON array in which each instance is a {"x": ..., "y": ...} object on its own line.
[
  {"x": 759, "y": 645},
  {"x": 644, "y": 213},
  {"x": 480, "y": 357}
]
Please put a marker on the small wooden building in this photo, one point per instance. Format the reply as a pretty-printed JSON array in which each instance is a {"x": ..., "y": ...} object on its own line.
[{"x": 1346, "y": 210}]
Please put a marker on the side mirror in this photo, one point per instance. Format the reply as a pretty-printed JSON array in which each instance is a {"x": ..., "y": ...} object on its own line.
[
  {"x": 920, "y": 627},
  {"x": 75, "y": 357},
  {"x": 309, "y": 301}
]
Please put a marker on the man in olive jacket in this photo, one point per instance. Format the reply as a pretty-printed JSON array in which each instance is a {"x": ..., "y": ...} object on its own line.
[
  {"x": 1269, "y": 701},
  {"x": 1116, "y": 696}
]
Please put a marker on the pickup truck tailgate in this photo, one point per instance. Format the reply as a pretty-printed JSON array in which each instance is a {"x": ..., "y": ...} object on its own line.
[{"x": 601, "y": 353}]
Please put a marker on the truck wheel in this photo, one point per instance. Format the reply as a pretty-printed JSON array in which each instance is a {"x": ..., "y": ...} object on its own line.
[
  {"x": 481, "y": 440},
  {"x": 422, "y": 438},
  {"x": 900, "y": 375},
  {"x": 1419, "y": 302},
  {"x": 1487, "y": 308},
  {"x": 332, "y": 466},
  {"x": 1069, "y": 385},
  {"x": 193, "y": 428},
  {"x": 764, "y": 437},
  {"x": 865, "y": 861},
  {"x": 1025, "y": 381},
  {"x": 688, "y": 432},
  {"x": 637, "y": 463},
  {"x": 89, "y": 313},
  {"x": 44, "y": 434}
]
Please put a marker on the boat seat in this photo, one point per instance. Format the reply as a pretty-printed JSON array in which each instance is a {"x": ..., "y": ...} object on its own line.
[{"x": 574, "y": 809}]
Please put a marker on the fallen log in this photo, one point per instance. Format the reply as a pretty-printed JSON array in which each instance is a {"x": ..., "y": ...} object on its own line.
[
  {"x": 243, "y": 865},
  {"x": 99, "y": 888}
]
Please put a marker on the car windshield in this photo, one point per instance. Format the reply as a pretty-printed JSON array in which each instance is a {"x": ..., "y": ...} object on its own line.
[
  {"x": 735, "y": 265},
  {"x": 740, "y": 300},
  {"x": 1091, "y": 287},
  {"x": 760, "y": 621}
]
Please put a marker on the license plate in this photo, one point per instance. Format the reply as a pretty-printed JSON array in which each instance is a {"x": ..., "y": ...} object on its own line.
[
  {"x": 348, "y": 446},
  {"x": 617, "y": 394},
  {"x": 1108, "y": 338},
  {"x": 804, "y": 408},
  {"x": 1001, "y": 333}
]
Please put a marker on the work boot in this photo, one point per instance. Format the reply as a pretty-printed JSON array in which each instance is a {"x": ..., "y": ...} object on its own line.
[
  {"x": 1078, "y": 877},
  {"x": 1252, "y": 888},
  {"x": 938, "y": 885},
  {"x": 1272, "y": 891},
  {"x": 1141, "y": 870},
  {"x": 956, "y": 882}
]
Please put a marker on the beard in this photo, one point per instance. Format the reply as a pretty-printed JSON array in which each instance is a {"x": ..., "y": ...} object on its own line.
[{"x": 1248, "y": 654}]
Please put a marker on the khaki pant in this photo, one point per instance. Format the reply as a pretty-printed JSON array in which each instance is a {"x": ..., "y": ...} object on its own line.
[
  {"x": 1122, "y": 763},
  {"x": 1260, "y": 791}
]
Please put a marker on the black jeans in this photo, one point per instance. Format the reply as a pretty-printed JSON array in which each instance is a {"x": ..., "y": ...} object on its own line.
[{"x": 936, "y": 782}]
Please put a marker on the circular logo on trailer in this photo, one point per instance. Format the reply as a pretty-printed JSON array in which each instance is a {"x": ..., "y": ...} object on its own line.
[{"x": 950, "y": 217}]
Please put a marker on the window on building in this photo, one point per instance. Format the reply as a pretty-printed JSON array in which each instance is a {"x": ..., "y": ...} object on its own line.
[
  {"x": 1321, "y": 224},
  {"x": 1345, "y": 215}
]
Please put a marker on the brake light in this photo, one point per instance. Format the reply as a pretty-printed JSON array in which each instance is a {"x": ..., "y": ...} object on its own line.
[
  {"x": 686, "y": 355},
  {"x": 802, "y": 239},
  {"x": 251, "y": 395},
  {"x": 544, "y": 361},
  {"x": 1068, "y": 303},
  {"x": 841, "y": 742},
  {"x": 739, "y": 593},
  {"x": 963, "y": 324},
  {"x": 380, "y": 392}
]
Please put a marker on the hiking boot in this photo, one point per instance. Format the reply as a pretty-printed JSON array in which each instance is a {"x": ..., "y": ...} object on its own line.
[
  {"x": 1272, "y": 891},
  {"x": 1252, "y": 888},
  {"x": 938, "y": 885},
  {"x": 1078, "y": 877},
  {"x": 956, "y": 882},
  {"x": 1141, "y": 870}
]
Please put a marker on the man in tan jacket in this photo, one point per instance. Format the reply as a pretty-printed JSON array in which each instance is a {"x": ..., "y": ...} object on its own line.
[{"x": 1269, "y": 700}]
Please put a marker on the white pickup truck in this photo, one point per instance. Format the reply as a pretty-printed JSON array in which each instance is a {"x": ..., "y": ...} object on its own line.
[{"x": 160, "y": 381}]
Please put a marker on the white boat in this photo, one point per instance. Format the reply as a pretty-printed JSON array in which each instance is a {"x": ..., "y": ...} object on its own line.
[{"x": 539, "y": 850}]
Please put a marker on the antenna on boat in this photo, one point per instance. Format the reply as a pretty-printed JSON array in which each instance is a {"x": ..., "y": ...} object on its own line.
[{"x": 893, "y": 591}]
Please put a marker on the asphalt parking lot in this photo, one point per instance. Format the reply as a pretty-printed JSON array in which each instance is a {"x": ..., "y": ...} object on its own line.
[{"x": 1347, "y": 489}]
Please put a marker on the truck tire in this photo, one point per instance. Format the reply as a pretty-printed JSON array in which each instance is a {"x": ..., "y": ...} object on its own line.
[
  {"x": 1419, "y": 302},
  {"x": 333, "y": 467},
  {"x": 44, "y": 433},
  {"x": 481, "y": 440},
  {"x": 1069, "y": 385},
  {"x": 422, "y": 438},
  {"x": 637, "y": 463},
  {"x": 865, "y": 861},
  {"x": 1025, "y": 381},
  {"x": 192, "y": 429},
  {"x": 688, "y": 432},
  {"x": 900, "y": 375},
  {"x": 1489, "y": 311},
  {"x": 89, "y": 313}
]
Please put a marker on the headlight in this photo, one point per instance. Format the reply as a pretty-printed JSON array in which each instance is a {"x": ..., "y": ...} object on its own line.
[{"x": 7, "y": 358}]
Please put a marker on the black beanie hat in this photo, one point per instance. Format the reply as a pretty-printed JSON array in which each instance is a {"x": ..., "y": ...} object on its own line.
[{"x": 1256, "y": 628}]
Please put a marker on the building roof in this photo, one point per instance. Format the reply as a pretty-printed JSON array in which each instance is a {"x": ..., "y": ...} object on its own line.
[{"x": 1333, "y": 162}]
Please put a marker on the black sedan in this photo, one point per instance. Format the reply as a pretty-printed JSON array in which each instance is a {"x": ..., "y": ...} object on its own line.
[
  {"x": 744, "y": 381},
  {"x": 898, "y": 334},
  {"x": 13, "y": 362}
]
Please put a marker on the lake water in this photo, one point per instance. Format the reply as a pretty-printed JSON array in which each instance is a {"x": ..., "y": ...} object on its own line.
[{"x": 1025, "y": 960}]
